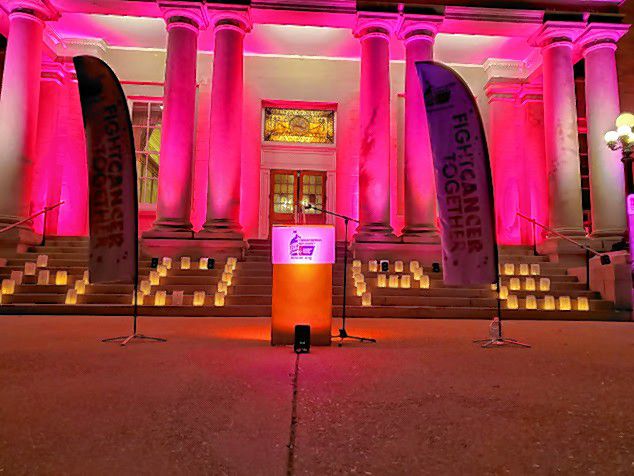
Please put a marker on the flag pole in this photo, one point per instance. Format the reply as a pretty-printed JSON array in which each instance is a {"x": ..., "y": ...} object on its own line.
[
  {"x": 135, "y": 288},
  {"x": 464, "y": 185},
  {"x": 112, "y": 179}
]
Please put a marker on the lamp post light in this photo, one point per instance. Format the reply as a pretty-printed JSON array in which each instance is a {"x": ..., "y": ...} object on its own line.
[{"x": 623, "y": 139}]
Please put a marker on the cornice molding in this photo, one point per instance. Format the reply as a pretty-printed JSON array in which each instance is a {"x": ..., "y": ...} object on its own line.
[
  {"x": 230, "y": 16},
  {"x": 503, "y": 89},
  {"x": 191, "y": 14},
  {"x": 330, "y": 6},
  {"x": 556, "y": 32},
  {"x": 83, "y": 46},
  {"x": 496, "y": 68},
  {"x": 531, "y": 92},
  {"x": 601, "y": 34},
  {"x": 513, "y": 91},
  {"x": 493, "y": 14},
  {"x": 377, "y": 23},
  {"x": 410, "y": 25},
  {"x": 53, "y": 71},
  {"x": 41, "y": 9}
]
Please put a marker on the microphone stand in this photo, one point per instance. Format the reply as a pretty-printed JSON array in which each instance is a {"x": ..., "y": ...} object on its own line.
[{"x": 343, "y": 334}]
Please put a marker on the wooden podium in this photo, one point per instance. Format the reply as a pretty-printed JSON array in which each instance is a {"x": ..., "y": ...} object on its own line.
[{"x": 302, "y": 257}]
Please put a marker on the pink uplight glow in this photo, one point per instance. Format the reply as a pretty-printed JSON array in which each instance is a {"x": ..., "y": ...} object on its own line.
[{"x": 301, "y": 59}]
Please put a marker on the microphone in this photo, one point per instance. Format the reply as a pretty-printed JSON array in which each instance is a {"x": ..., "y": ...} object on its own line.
[{"x": 308, "y": 206}]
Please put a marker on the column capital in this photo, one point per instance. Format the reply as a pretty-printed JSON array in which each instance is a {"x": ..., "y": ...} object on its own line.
[
  {"x": 184, "y": 14},
  {"x": 230, "y": 17},
  {"x": 40, "y": 9},
  {"x": 553, "y": 33},
  {"x": 425, "y": 27},
  {"x": 375, "y": 24},
  {"x": 601, "y": 35}
]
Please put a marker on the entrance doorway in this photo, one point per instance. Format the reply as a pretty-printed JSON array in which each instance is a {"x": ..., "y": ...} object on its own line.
[{"x": 290, "y": 188}]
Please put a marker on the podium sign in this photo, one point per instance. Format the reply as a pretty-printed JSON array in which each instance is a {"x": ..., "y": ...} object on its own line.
[{"x": 302, "y": 256}]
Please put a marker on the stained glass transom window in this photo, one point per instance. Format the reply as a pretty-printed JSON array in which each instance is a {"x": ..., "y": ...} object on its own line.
[{"x": 315, "y": 126}]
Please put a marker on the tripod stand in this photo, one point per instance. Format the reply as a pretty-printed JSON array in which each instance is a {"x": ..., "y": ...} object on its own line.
[
  {"x": 343, "y": 333},
  {"x": 126, "y": 339},
  {"x": 499, "y": 339}
]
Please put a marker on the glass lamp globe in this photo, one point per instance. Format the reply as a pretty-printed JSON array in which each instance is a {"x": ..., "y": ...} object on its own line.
[
  {"x": 624, "y": 131},
  {"x": 625, "y": 119},
  {"x": 611, "y": 136}
]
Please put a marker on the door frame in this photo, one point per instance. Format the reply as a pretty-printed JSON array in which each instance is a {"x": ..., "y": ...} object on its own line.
[{"x": 292, "y": 157}]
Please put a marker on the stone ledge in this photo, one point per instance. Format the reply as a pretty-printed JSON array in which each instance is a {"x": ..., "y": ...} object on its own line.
[
  {"x": 426, "y": 253},
  {"x": 194, "y": 247}
]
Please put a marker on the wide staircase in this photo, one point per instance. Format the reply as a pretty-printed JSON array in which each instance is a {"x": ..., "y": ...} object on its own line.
[{"x": 53, "y": 279}]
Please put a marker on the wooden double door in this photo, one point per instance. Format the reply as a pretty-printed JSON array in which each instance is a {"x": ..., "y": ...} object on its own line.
[{"x": 291, "y": 190}]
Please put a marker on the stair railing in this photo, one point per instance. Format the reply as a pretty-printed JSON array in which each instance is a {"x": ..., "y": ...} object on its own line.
[
  {"x": 604, "y": 257},
  {"x": 44, "y": 211}
]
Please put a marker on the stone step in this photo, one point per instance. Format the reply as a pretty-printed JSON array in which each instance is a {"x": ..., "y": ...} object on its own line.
[
  {"x": 469, "y": 292},
  {"x": 205, "y": 280},
  {"x": 351, "y": 311},
  {"x": 523, "y": 259},
  {"x": 515, "y": 250},
  {"x": 240, "y": 289},
  {"x": 478, "y": 313},
  {"x": 554, "y": 277},
  {"x": 144, "y": 310},
  {"x": 209, "y": 289},
  {"x": 59, "y": 298},
  {"x": 57, "y": 249},
  {"x": 194, "y": 272},
  {"x": 440, "y": 302},
  {"x": 240, "y": 280},
  {"x": 248, "y": 266},
  {"x": 545, "y": 269}
]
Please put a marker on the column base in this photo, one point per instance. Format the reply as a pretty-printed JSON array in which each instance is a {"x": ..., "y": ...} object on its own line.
[
  {"x": 420, "y": 234},
  {"x": 221, "y": 230},
  {"x": 561, "y": 251},
  {"x": 604, "y": 240},
  {"x": 18, "y": 238},
  {"x": 375, "y": 233},
  {"x": 169, "y": 229}
]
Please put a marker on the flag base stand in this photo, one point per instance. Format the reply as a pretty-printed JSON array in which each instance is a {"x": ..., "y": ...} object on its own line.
[
  {"x": 344, "y": 335},
  {"x": 494, "y": 341},
  {"x": 500, "y": 341},
  {"x": 127, "y": 339}
]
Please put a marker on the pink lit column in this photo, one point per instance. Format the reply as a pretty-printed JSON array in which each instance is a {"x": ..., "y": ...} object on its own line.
[
  {"x": 374, "y": 150},
  {"x": 560, "y": 130},
  {"x": 506, "y": 143},
  {"x": 177, "y": 140},
  {"x": 534, "y": 159},
  {"x": 420, "y": 195},
  {"x": 223, "y": 195},
  {"x": 607, "y": 186},
  {"x": 19, "y": 104}
]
